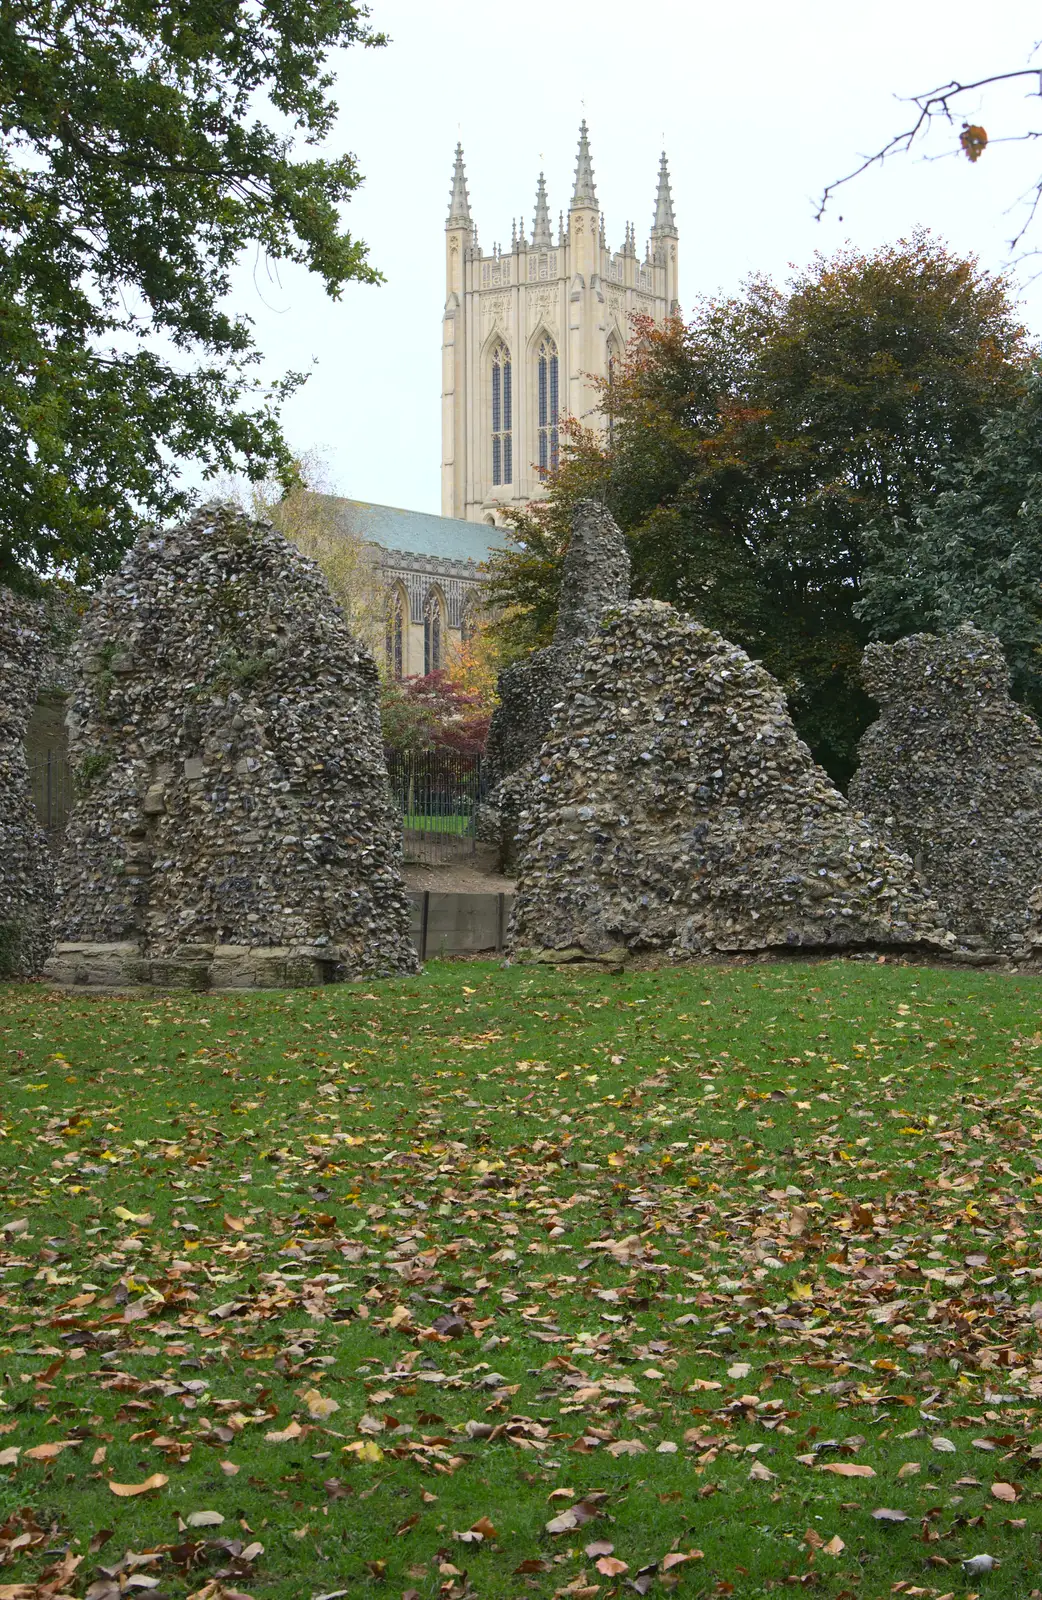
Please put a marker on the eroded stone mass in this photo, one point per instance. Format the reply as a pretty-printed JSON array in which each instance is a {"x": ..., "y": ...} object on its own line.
[
  {"x": 234, "y": 824},
  {"x": 953, "y": 771},
  {"x": 26, "y": 886},
  {"x": 595, "y": 577},
  {"x": 674, "y": 809}
]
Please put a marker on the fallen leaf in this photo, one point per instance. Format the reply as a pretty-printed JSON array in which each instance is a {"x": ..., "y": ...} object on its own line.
[
  {"x": 284, "y": 1435},
  {"x": 204, "y": 1519},
  {"x": 676, "y": 1558},
  {"x": 886, "y": 1514},
  {"x": 126, "y": 1490},
  {"x": 611, "y": 1566},
  {"x": 848, "y": 1469},
  {"x": 999, "y": 1491},
  {"x": 909, "y": 1469},
  {"x": 47, "y": 1452},
  {"x": 319, "y": 1406}
]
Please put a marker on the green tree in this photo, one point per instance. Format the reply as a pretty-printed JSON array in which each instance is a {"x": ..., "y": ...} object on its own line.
[
  {"x": 973, "y": 552},
  {"x": 747, "y": 450},
  {"x": 145, "y": 144}
]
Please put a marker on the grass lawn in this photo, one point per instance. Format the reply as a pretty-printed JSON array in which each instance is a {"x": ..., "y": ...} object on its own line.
[
  {"x": 704, "y": 1267},
  {"x": 437, "y": 822}
]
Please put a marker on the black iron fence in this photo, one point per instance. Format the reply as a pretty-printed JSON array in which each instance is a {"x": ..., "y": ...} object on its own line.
[
  {"x": 50, "y": 777},
  {"x": 437, "y": 793}
]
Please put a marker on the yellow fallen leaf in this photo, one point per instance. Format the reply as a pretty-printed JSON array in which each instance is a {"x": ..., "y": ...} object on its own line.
[
  {"x": 319, "y": 1406},
  {"x": 142, "y": 1218},
  {"x": 127, "y": 1490}
]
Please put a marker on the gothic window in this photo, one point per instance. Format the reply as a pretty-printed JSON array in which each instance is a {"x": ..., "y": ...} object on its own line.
[
  {"x": 547, "y": 388},
  {"x": 432, "y": 631},
  {"x": 395, "y": 634},
  {"x": 502, "y": 417}
]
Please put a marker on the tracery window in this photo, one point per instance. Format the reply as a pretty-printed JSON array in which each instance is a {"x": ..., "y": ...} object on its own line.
[
  {"x": 395, "y": 634},
  {"x": 432, "y": 630},
  {"x": 547, "y": 387},
  {"x": 502, "y": 417}
]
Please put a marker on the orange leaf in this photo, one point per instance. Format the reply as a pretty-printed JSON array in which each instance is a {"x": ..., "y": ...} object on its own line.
[
  {"x": 999, "y": 1491},
  {"x": 848, "y": 1469},
  {"x": 47, "y": 1452},
  {"x": 611, "y": 1566},
  {"x": 127, "y": 1490}
]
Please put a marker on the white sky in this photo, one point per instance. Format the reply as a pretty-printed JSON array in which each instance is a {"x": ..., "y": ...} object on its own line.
[{"x": 759, "y": 104}]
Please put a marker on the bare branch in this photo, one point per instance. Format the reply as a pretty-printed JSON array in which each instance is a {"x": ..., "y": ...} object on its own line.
[{"x": 930, "y": 105}]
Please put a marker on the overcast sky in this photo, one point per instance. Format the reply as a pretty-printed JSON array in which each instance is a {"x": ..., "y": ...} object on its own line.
[{"x": 759, "y": 104}]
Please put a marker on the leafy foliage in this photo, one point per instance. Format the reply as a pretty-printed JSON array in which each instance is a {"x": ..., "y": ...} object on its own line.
[
  {"x": 725, "y": 1275},
  {"x": 304, "y": 511},
  {"x": 973, "y": 551},
  {"x": 145, "y": 145},
  {"x": 746, "y": 452},
  {"x": 433, "y": 712}
]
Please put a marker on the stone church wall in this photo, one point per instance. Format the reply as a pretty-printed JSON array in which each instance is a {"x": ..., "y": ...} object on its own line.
[
  {"x": 953, "y": 771},
  {"x": 234, "y": 824}
]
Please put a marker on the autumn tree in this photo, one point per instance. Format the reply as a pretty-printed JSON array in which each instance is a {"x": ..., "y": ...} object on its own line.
[
  {"x": 748, "y": 449},
  {"x": 306, "y": 512},
  {"x": 145, "y": 145}
]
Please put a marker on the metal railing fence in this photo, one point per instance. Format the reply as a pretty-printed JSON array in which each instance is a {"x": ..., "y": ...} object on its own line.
[{"x": 437, "y": 793}]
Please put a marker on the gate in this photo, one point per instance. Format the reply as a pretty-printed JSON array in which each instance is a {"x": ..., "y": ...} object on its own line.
[{"x": 437, "y": 794}]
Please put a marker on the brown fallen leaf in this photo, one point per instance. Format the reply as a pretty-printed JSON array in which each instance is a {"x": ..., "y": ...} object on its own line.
[
  {"x": 127, "y": 1490},
  {"x": 284, "y": 1435},
  {"x": 9, "y": 1457},
  {"x": 999, "y": 1491},
  {"x": 676, "y": 1558},
  {"x": 848, "y": 1469},
  {"x": 532, "y": 1564},
  {"x": 598, "y": 1547},
  {"x": 47, "y": 1452},
  {"x": 484, "y": 1526},
  {"x": 909, "y": 1469},
  {"x": 834, "y": 1546},
  {"x": 611, "y": 1566}
]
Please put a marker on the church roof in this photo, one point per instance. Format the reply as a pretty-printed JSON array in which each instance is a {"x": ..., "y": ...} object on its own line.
[{"x": 417, "y": 533}]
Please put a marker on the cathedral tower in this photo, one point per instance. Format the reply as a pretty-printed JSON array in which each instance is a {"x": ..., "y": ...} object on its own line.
[{"x": 523, "y": 328}]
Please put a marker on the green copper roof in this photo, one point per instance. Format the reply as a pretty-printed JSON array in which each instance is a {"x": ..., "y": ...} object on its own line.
[{"x": 417, "y": 533}]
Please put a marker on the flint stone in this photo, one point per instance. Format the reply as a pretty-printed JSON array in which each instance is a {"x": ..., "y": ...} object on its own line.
[
  {"x": 26, "y": 876},
  {"x": 673, "y": 808},
  {"x": 953, "y": 771},
  {"x": 595, "y": 576},
  {"x": 234, "y": 823}
]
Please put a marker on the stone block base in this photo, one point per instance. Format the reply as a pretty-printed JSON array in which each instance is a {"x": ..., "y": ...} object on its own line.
[{"x": 221, "y": 966}]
